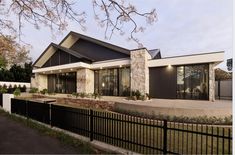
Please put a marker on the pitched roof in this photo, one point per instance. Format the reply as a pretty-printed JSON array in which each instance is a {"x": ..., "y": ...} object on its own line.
[
  {"x": 74, "y": 53},
  {"x": 99, "y": 42},
  {"x": 155, "y": 53}
]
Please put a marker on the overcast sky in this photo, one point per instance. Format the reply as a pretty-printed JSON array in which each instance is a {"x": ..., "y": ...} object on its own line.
[{"x": 183, "y": 27}]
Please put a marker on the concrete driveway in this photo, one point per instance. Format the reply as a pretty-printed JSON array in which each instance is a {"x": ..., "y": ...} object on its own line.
[{"x": 16, "y": 138}]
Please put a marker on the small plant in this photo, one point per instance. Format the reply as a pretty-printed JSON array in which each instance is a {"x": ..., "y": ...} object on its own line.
[
  {"x": 148, "y": 96},
  {"x": 142, "y": 97},
  {"x": 136, "y": 93},
  {"x": 96, "y": 95},
  {"x": 24, "y": 88},
  {"x": 3, "y": 90},
  {"x": 33, "y": 90},
  {"x": 75, "y": 94},
  {"x": 44, "y": 91},
  {"x": 17, "y": 92},
  {"x": 10, "y": 89},
  {"x": 83, "y": 95}
]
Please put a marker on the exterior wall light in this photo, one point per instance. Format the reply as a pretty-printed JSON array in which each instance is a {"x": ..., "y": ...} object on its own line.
[
  {"x": 169, "y": 66},
  {"x": 120, "y": 66},
  {"x": 60, "y": 70},
  {"x": 71, "y": 69},
  {"x": 101, "y": 68}
]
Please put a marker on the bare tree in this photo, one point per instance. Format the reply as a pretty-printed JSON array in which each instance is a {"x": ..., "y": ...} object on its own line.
[{"x": 55, "y": 14}]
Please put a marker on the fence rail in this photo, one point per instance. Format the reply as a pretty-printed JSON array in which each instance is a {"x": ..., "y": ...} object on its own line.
[{"x": 134, "y": 133}]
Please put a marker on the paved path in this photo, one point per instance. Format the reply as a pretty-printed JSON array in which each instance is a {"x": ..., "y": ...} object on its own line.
[{"x": 16, "y": 138}]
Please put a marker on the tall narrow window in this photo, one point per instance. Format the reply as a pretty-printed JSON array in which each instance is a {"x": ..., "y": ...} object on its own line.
[
  {"x": 192, "y": 82},
  {"x": 180, "y": 82}
]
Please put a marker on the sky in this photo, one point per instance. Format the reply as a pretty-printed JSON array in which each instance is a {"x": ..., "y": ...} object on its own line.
[{"x": 184, "y": 27}]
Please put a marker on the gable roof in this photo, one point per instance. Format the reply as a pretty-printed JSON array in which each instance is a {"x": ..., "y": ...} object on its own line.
[
  {"x": 155, "y": 53},
  {"x": 76, "y": 54},
  {"x": 51, "y": 49},
  {"x": 96, "y": 41}
]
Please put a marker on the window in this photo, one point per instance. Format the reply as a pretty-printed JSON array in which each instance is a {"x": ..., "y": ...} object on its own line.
[
  {"x": 113, "y": 82},
  {"x": 192, "y": 82},
  {"x": 62, "y": 83}
]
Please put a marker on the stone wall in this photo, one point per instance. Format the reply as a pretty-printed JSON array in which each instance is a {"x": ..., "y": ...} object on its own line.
[
  {"x": 86, "y": 103},
  {"x": 85, "y": 81},
  {"x": 39, "y": 81},
  {"x": 140, "y": 70},
  {"x": 211, "y": 82}
]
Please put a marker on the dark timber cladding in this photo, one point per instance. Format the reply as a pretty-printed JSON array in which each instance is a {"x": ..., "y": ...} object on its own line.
[
  {"x": 162, "y": 82},
  {"x": 60, "y": 58},
  {"x": 96, "y": 52}
]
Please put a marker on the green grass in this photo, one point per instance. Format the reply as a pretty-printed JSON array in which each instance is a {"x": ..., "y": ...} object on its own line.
[
  {"x": 183, "y": 119},
  {"x": 79, "y": 146},
  {"x": 177, "y": 141}
]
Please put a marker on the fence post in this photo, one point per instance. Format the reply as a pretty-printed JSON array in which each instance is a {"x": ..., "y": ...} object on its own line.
[
  {"x": 219, "y": 89},
  {"x": 50, "y": 115},
  {"x": 91, "y": 125},
  {"x": 165, "y": 137},
  {"x": 26, "y": 109}
]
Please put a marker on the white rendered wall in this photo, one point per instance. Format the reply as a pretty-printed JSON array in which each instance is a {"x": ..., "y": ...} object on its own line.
[{"x": 6, "y": 100}]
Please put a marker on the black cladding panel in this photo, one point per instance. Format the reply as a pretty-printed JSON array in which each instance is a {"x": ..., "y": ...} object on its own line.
[
  {"x": 162, "y": 82},
  {"x": 96, "y": 52}
]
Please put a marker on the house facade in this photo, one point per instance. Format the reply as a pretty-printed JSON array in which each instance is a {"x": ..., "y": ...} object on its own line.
[{"x": 84, "y": 64}]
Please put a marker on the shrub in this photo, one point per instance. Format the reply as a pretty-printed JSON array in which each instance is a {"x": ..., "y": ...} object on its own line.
[
  {"x": 14, "y": 88},
  {"x": 181, "y": 119},
  {"x": 24, "y": 88},
  {"x": 44, "y": 91},
  {"x": 33, "y": 90},
  {"x": 3, "y": 90},
  {"x": 17, "y": 92},
  {"x": 136, "y": 93},
  {"x": 82, "y": 95},
  {"x": 96, "y": 95},
  {"x": 10, "y": 89},
  {"x": 75, "y": 94}
]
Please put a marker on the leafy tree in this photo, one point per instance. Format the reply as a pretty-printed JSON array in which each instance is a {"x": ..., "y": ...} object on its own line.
[
  {"x": 55, "y": 14},
  {"x": 17, "y": 73},
  {"x": 222, "y": 75},
  {"x": 3, "y": 62},
  {"x": 12, "y": 52}
]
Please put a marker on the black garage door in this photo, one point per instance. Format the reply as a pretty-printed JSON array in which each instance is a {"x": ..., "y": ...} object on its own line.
[{"x": 162, "y": 82}]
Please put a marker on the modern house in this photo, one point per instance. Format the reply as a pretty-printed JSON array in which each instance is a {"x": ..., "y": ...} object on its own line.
[{"x": 83, "y": 64}]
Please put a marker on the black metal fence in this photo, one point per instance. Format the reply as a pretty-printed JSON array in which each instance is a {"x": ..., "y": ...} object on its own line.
[{"x": 137, "y": 134}]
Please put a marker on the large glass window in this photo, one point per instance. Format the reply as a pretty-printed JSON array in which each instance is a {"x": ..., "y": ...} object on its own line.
[
  {"x": 192, "y": 82},
  {"x": 62, "y": 83},
  {"x": 113, "y": 82}
]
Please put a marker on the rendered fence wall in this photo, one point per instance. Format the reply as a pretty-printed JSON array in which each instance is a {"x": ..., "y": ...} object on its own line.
[
  {"x": 6, "y": 102},
  {"x": 2, "y": 83}
]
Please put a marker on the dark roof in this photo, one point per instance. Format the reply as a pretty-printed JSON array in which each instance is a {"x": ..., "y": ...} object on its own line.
[
  {"x": 99, "y": 42},
  {"x": 155, "y": 53},
  {"x": 74, "y": 53}
]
